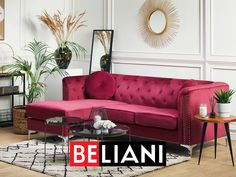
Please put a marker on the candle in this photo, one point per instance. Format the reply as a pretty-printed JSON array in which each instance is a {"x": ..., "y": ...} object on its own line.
[{"x": 203, "y": 110}]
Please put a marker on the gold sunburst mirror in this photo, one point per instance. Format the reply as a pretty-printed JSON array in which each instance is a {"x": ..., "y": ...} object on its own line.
[{"x": 158, "y": 23}]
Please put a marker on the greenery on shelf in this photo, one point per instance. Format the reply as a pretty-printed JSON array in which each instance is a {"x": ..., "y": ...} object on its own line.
[
  {"x": 37, "y": 71},
  {"x": 224, "y": 96},
  {"x": 63, "y": 27}
]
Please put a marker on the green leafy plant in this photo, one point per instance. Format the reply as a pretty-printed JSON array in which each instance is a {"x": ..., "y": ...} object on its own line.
[
  {"x": 224, "y": 96},
  {"x": 37, "y": 71}
]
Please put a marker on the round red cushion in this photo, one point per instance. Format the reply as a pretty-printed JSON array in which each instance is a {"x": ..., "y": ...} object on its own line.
[{"x": 100, "y": 85}]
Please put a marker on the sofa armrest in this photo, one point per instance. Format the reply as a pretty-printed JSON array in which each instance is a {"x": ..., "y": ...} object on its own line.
[
  {"x": 190, "y": 98},
  {"x": 74, "y": 87}
]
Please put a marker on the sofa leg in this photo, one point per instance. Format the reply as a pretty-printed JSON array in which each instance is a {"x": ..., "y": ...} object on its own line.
[
  {"x": 189, "y": 148},
  {"x": 29, "y": 133}
]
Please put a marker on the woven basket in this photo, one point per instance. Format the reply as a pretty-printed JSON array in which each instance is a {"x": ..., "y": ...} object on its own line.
[{"x": 19, "y": 120}]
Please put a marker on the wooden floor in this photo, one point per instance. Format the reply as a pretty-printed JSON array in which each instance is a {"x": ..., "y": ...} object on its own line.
[{"x": 210, "y": 167}]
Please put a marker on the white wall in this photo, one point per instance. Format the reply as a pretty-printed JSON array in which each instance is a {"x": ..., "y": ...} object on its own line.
[{"x": 204, "y": 48}]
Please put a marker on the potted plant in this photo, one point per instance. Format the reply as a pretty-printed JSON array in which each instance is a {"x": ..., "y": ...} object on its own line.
[
  {"x": 36, "y": 73},
  {"x": 62, "y": 28},
  {"x": 223, "y": 99}
]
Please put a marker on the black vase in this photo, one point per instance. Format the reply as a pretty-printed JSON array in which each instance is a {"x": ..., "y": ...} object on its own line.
[
  {"x": 63, "y": 57},
  {"x": 105, "y": 63}
]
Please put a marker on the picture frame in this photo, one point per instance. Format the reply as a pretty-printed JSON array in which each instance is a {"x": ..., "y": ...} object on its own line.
[
  {"x": 2, "y": 19},
  {"x": 101, "y": 50}
]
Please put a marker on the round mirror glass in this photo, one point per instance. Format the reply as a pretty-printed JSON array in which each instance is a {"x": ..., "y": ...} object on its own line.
[{"x": 157, "y": 22}]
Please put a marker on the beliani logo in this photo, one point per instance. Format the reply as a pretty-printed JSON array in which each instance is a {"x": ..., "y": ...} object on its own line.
[{"x": 117, "y": 153}]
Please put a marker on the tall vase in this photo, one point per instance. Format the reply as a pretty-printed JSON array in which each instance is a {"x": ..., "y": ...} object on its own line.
[
  {"x": 63, "y": 57},
  {"x": 105, "y": 63}
]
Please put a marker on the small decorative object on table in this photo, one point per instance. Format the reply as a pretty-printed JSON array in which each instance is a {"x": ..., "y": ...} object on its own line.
[
  {"x": 103, "y": 126},
  {"x": 98, "y": 115},
  {"x": 223, "y": 99},
  {"x": 203, "y": 110},
  {"x": 212, "y": 104}
]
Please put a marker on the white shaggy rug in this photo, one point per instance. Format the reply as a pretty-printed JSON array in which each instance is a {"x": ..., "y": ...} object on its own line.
[{"x": 30, "y": 155}]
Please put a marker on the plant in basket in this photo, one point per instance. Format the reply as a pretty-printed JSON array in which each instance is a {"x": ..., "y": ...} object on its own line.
[{"x": 36, "y": 73}]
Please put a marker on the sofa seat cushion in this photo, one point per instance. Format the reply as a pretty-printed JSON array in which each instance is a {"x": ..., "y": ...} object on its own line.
[
  {"x": 143, "y": 115},
  {"x": 80, "y": 108},
  {"x": 157, "y": 117},
  {"x": 120, "y": 114},
  {"x": 100, "y": 85}
]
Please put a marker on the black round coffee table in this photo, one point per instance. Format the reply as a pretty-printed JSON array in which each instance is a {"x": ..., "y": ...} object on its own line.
[{"x": 90, "y": 132}]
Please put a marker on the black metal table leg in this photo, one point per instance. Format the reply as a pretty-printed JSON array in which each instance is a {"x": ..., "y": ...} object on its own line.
[
  {"x": 202, "y": 140},
  {"x": 229, "y": 141},
  {"x": 45, "y": 143},
  {"x": 215, "y": 136},
  {"x": 68, "y": 146}
]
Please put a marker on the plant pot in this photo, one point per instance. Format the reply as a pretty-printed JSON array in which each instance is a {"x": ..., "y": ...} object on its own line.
[
  {"x": 63, "y": 57},
  {"x": 105, "y": 63},
  {"x": 19, "y": 120},
  {"x": 223, "y": 109}
]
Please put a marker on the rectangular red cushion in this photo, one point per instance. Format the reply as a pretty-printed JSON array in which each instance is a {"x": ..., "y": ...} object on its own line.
[
  {"x": 120, "y": 115},
  {"x": 143, "y": 115},
  {"x": 157, "y": 117},
  {"x": 81, "y": 108}
]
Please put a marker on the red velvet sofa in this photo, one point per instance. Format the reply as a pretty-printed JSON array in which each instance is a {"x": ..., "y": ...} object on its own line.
[{"x": 153, "y": 107}]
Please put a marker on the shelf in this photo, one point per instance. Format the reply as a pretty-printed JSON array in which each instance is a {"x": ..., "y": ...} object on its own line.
[
  {"x": 10, "y": 94},
  {"x": 9, "y": 75},
  {"x": 6, "y": 123},
  {"x": 6, "y": 114}
]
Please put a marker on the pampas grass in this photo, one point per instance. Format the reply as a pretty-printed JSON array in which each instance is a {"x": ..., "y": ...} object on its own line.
[
  {"x": 62, "y": 27},
  {"x": 105, "y": 38}
]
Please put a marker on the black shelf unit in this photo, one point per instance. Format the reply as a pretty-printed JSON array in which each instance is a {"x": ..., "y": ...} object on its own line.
[{"x": 9, "y": 120}]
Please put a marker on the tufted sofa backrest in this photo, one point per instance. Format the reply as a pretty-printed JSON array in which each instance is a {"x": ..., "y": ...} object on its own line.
[{"x": 150, "y": 91}]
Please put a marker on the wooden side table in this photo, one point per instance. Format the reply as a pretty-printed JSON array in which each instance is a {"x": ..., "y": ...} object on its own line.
[{"x": 216, "y": 121}]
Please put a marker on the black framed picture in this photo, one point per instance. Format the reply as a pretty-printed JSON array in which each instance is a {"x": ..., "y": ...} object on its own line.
[
  {"x": 2, "y": 19},
  {"x": 101, "y": 51}
]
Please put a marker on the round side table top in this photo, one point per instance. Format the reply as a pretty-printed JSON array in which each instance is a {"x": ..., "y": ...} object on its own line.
[{"x": 216, "y": 119}]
